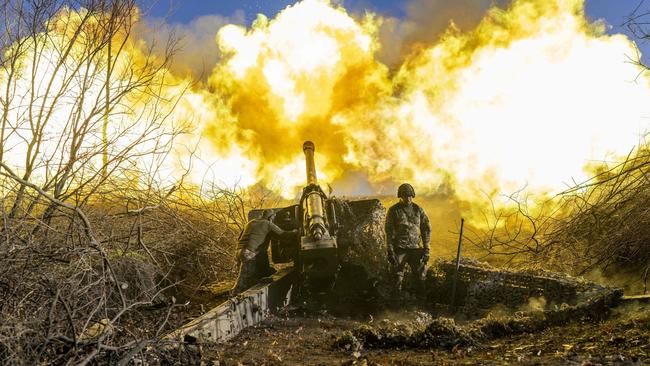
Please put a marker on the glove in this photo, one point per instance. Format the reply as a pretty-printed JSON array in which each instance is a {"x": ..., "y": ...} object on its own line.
[
  {"x": 245, "y": 255},
  {"x": 391, "y": 259},
  {"x": 425, "y": 256}
]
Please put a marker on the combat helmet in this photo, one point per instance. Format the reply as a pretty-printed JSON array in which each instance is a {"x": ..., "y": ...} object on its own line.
[
  {"x": 267, "y": 213},
  {"x": 405, "y": 190}
]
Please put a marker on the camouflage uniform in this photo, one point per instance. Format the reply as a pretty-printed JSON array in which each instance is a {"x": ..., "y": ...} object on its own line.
[
  {"x": 252, "y": 251},
  {"x": 406, "y": 224}
]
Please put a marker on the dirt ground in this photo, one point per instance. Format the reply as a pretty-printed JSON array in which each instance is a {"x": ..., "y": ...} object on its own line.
[{"x": 621, "y": 339}]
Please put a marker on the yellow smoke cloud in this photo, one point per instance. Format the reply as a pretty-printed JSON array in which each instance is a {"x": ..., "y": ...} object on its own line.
[
  {"x": 529, "y": 97},
  {"x": 287, "y": 80}
]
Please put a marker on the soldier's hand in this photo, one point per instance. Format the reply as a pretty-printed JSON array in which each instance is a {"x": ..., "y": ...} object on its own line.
[
  {"x": 391, "y": 259},
  {"x": 245, "y": 255},
  {"x": 425, "y": 257}
]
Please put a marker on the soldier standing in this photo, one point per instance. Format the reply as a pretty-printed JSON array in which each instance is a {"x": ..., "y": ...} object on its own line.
[
  {"x": 251, "y": 246},
  {"x": 407, "y": 225}
]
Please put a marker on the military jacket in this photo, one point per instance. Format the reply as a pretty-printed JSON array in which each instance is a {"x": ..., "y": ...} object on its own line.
[
  {"x": 255, "y": 233},
  {"x": 406, "y": 225}
]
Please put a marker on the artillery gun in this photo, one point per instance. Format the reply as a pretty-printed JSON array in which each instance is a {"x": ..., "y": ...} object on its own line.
[
  {"x": 316, "y": 254},
  {"x": 333, "y": 231}
]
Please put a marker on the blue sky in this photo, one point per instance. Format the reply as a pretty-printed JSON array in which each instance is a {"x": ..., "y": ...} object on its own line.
[
  {"x": 183, "y": 11},
  {"x": 615, "y": 12}
]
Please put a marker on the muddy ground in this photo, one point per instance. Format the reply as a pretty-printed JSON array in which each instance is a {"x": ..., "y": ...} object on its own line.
[{"x": 623, "y": 338}]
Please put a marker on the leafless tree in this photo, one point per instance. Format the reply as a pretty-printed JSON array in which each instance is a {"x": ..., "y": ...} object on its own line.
[
  {"x": 85, "y": 112},
  {"x": 512, "y": 233},
  {"x": 98, "y": 233},
  {"x": 600, "y": 225},
  {"x": 638, "y": 24}
]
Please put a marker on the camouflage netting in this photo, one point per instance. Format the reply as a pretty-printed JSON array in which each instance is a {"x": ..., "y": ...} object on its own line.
[
  {"x": 445, "y": 333},
  {"x": 361, "y": 235},
  {"x": 482, "y": 287},
  {"x": 363, "y": 278}
]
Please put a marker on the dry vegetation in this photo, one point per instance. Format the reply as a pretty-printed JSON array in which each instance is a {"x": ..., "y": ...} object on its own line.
[
  {"x": 597, "y": 228},
  {"x": 95, "y": 252},
  {"x": 91, "y": 241}
]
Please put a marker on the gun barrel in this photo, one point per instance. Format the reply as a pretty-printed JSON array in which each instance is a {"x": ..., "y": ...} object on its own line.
[
  {"x": 308, "y": 148},
  {"x": 314, "y": 201},
  {"x": 318, "y": 250}
]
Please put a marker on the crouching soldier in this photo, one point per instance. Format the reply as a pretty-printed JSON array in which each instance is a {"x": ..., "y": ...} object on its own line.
[
  {"x": 407, "y": 234},
  {"x": 253, "y": 243}
]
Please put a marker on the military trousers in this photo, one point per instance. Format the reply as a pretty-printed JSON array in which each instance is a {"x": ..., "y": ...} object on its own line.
[
  {"x": 247, "y": 276},
  {"x": 412, "y": 258},
  {"x": 252, "y": 269}
]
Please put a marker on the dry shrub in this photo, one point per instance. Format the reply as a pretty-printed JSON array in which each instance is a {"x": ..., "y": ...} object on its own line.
[
  {"x": 138, "y": 278},
  {"x": 90, "y": 240},
  {"x": 98, "y": 283},
  {"x": 599, "y": 228},
  {"x": 608, "y": 226}
]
